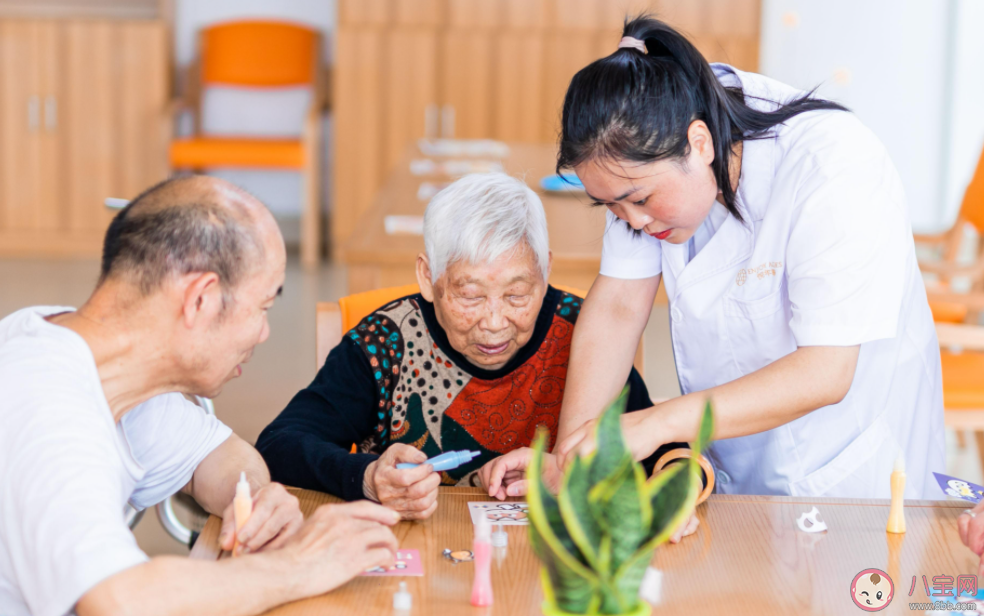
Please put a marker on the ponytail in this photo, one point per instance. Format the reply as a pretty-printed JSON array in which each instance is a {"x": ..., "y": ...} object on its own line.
[{"x": 638, "y": 107}]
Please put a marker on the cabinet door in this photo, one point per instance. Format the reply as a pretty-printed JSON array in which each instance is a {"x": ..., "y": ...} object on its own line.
[
  {"x": 115, "y": 92},
  {"x": 92, "y": 112},
  {"x": 22, "y": 73}
]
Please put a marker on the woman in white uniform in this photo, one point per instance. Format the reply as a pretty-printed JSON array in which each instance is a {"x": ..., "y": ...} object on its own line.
[{"x": 778, "y": 224}]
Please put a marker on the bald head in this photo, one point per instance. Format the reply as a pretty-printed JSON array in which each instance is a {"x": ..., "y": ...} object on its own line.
[{"x": 184, "y": 225}]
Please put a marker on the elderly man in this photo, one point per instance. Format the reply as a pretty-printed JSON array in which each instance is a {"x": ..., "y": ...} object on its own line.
[
  {"x": 477, "y": 360},
  {"x": 93, "y": 416}
]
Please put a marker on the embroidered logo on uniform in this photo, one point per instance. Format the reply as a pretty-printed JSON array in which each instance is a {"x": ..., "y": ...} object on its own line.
[{"x": 764, "y": 270}]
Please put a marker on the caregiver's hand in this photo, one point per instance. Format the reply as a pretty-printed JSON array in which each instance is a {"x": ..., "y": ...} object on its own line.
[
  {"x": 689, "y": 528},
  {"x": 639, "y": 438},
  {"x": 410, "y": 492},
  {"x": 505, "y": 476},
  {"x": 970, "y": 525}
]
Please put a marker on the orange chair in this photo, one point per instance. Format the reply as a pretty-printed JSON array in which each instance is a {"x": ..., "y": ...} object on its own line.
[
  {"x": 259, "y": 54},
  {"x": 332, "y": 319},
  {"x": 948, "y": 244}
]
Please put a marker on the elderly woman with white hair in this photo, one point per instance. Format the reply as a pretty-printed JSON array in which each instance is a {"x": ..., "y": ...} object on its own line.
[{"x": 477, "y": 360}]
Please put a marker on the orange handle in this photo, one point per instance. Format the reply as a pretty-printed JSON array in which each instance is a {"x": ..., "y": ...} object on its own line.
[{"x": 678, "y": 454}]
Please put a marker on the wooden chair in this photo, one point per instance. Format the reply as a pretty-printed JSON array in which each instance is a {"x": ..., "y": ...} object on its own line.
[
  {"x": 962, "y": 357},
  {"x": 258, "y": 54},
  {"x": 948, "y": 305},
  {"x": 333, "y": 319}
]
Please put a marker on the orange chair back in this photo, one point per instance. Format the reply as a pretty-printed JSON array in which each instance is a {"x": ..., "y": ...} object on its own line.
[
  {"x": 259, "y": 54},
  {"x": 972, "y": 208},
  {"x": 356, "y": 307}
]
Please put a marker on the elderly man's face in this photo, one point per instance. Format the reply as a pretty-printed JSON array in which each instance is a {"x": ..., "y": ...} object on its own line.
[
  {"x": 489, "y": 311},
  {"x": 230, "y": 339}
]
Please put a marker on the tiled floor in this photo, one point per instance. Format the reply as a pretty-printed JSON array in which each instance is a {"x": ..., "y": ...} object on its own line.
[{"x": 285, "y": 363}]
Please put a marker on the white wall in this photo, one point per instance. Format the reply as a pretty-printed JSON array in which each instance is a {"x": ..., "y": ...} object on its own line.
[
  {"x": 244, "y": 111},
  {"x": 905, "y": 67}
]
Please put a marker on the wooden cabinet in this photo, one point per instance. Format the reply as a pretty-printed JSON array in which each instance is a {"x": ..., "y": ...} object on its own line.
[
  {"x": 501, "y": 68},
  {"x": 80, "y": 120}
]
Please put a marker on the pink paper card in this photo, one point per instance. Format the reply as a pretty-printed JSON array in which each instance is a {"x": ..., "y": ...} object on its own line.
[{"x": 407, "y": 564}]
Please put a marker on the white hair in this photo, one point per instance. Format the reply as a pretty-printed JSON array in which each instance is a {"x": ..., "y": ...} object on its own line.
[{"x": 482, "y": 216}]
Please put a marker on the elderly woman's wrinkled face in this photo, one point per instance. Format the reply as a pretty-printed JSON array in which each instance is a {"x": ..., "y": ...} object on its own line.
[{"x": 489, "y": 311}]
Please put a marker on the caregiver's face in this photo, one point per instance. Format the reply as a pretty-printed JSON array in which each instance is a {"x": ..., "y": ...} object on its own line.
[{"x": 668, "y": 199}]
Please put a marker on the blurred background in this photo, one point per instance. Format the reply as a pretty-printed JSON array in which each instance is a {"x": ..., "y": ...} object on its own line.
[{"x": 346, "y": 116}]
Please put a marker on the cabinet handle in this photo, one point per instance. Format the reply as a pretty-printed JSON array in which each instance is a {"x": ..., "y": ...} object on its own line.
[
  {"x": 33, "y": 113},
  {"x": 50, "y": 113}
]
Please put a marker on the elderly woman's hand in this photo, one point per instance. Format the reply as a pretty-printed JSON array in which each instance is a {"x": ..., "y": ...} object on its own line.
[
  {"x": 505, "y": 476},
  {"x": 970, "y": 525},
  {"x": 410, "y": 492}
]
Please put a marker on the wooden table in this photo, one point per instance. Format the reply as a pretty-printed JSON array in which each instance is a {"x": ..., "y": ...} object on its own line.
[
  {"x": 376, "y": 259},
  {"x": 747, "y": 557}
]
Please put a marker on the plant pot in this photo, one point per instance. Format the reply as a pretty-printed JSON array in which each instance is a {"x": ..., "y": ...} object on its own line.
[{"x": 642, "y": 609}]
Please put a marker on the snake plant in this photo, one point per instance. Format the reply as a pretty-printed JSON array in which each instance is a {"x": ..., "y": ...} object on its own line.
[{"x": 597, "y": 536}]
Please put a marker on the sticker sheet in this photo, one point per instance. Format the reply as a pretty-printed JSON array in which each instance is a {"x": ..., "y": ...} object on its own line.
[
  {"x": 952, "y": 486},
  {"x": 407, "y": 564},
  {"x": 508, "y": 514}
]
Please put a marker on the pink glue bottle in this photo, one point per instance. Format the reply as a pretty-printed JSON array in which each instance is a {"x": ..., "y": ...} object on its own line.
[{"x": 482, "y": 587}]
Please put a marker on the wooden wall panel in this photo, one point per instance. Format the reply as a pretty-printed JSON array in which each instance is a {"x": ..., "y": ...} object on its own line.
[
  {"x": 363, "y": 12},
  {"x": 358, "y": 95},
  {"x": 525, "y": 13},
  {"x": 566, "y": 53},
  {"x": 503, "y": 65},
  {"x": 20, "y": 110},
  {"x": 474, "y": 14},
  {"x": 467, "y": 61},
  {"x": 519, "y": 87},
  {"x": 410, "y": 69},
  {"x": 143, "y": 84},
  {"x": 91, "y": 114},
  {"x": 418, "y": 12}
]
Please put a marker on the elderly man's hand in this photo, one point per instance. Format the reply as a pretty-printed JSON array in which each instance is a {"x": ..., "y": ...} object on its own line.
[
  {"x": 505, "y": 476},
  {"x": 970, "y": 525},
  {"x": 276, "y": 517},
  {"x": 410, "y": 492}
]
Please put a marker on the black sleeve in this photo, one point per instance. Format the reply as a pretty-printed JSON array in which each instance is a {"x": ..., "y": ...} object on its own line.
[
  {"x": 638, "y": 400},
  {"x": 308, "y": 445}
]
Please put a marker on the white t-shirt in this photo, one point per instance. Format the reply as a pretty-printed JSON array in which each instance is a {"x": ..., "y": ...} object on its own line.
[
  {"x": 824, "y": 257},
  {"x": 67, "y": 469}
]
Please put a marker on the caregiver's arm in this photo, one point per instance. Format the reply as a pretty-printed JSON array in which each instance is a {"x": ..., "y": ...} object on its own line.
[
  {"x": 612, "y": 320},
  {"x": 803, "y": 381}
]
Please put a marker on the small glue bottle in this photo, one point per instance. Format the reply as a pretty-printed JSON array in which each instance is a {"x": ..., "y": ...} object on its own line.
[
  {"x": 402, "y": 599},
  {"x": 896, "y": 513},
  {"x": 242, "y": 507},
  {"x": 482, "y": 587}
]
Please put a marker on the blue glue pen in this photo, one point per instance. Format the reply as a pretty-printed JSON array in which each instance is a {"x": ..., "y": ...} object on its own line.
[{"x": 446, "y": 461}]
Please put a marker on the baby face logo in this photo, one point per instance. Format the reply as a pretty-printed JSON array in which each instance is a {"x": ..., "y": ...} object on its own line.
[{"x": 872, "y": 590}]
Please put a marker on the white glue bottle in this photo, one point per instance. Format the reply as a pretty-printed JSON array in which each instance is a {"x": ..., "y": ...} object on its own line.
[{"x": 242, "y": 507}]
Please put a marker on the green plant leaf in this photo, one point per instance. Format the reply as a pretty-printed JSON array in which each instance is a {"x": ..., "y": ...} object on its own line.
[
  {"x": 573, "y": 584},
  {"x": 577, "y": 514},
  {"x": 706, "y": 429},
  {"x": 674, "y": 494},
  {"x": 570, "y": 590},
  {"x": 622, "y": 515},
  {"x": 610, "y": 452}
]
